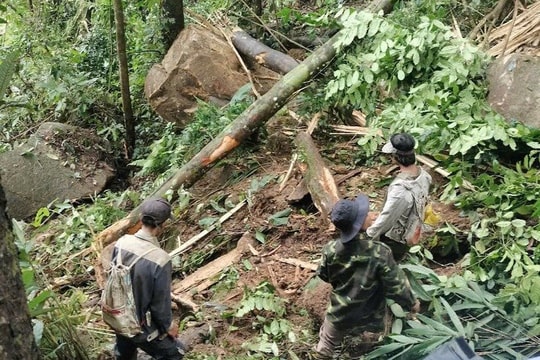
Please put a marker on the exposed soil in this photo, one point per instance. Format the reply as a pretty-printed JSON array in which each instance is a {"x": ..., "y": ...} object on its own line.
[{"x": 301, "y": 238}]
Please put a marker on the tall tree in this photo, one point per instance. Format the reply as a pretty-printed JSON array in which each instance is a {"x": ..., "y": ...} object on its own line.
[
  {"x": 16, "y": 336},
  {"x": 173, "y": 13},
  {"x": 129, "y": 122}
]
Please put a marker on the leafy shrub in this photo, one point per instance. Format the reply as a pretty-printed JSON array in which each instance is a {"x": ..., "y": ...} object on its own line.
[{"x": 174, "y": 150}]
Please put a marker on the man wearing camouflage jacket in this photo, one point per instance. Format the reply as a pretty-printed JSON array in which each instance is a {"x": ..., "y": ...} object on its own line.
[{"x": 363, "y": 273}]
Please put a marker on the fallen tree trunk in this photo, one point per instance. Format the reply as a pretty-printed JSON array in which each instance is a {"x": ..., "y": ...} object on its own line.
[
  {"x": 262, "y": 54},
  {"x": 243, "y": 127},
  {"x": 239, "y": 130},
  {"x": 206, "y": 276},
  {"x": 319, "y": 180}
]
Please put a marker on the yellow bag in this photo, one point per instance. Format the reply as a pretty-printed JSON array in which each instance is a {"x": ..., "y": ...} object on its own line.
[{"x": 431, "y": 217}]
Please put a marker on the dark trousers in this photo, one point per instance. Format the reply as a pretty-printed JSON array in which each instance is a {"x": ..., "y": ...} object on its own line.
[
  {"x": 160, "y": 349},
  {"x": 399, "y": 250}
]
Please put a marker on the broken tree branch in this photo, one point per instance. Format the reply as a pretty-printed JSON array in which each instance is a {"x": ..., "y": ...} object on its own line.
[
  {"x": 185, "y": 246},
  {"x": 311, "y": 126},
  {"x": 297, "y": 262},
  {"x": 185, "y": 302},
  {"x": 492, "y": 16},
  {"x": 246, "y": 70}
]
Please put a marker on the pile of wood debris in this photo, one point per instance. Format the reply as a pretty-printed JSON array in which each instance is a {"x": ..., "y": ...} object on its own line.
[{"x": 521, "y": 33}]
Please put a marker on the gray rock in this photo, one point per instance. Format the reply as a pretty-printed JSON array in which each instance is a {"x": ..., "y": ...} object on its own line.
[
  {"x": 59, "y": 162},
  {"x": 199, "y": 65},
  {"x": 514, "y": 88}
]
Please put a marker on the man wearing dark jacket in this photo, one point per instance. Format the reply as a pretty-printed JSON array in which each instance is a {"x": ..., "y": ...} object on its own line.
[
  {"x": 362, "y": 273},
  {"x": 151, "y": 283}
]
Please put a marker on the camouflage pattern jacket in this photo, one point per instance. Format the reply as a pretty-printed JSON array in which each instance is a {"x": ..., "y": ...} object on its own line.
[{"x": 362, "y": 273}]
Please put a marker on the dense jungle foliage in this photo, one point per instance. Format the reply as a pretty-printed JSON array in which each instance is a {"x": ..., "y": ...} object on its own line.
[{"x": 408, "y": 70}]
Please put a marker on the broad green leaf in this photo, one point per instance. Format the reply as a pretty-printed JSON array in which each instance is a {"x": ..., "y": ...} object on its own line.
[
  {"x": 385, "y": 349},
  {"x": 374, "y": 26},
  {"x": 404, "y": 339},
  {"x": 453, "y": 317},
  {"x": 397, "y": 310},
  {"x": 368, "y": 76},
  {"x": 280, "y": 218},
  {"x": 260, "y": 237},
  {"x": 361, "y": 30},
  {"x": 247, "y": 264},
  {"x": 397, "y": 326},
  {"x": 437, "y": 325}
]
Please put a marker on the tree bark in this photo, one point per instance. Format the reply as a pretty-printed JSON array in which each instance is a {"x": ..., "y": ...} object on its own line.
[
  {"x": 262, "y": 54},
  {"x": 240, "y": 129},
  {"x": 206, "y": 276},
  {"x": 173, "y": 13},
  {"x": 129, "y": 122},
  {"x": 319, "y": 180},
  {"x": 16, "y": 335}
]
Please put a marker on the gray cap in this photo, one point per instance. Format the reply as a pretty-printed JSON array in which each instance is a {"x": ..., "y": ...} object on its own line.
[
  {"x": 402, "y": 144},
  {"x": 156, "y": 209},
  {"x": 349, "y": 216}
]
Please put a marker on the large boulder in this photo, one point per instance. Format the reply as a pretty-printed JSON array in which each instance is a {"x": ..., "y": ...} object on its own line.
[
  {"x": 514, "y": 88},
  {"x": 199, "y": 65},
  {"x": 59, "y": 162}
]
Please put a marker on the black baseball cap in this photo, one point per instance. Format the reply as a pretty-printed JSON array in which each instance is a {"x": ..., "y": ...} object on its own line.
[
  {"x": 156, "y": 209},
  {"x": 402, "y": 143}
]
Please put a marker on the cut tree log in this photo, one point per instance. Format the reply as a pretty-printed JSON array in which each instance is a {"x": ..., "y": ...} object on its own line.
[
  {"x": 319, "y": 180},
  {"x": 262, "y": 54},
  {"x": 206, "y": 276},
  {"x": 233, "y": 135}
]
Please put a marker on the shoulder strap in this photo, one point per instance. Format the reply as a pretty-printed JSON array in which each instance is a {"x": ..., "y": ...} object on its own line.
[{"x": 119, "y": 257}]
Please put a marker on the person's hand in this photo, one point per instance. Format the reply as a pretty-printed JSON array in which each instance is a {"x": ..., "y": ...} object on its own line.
[
  {"x": 415, "y": 309},
  {"x": 173, "y": 330}
]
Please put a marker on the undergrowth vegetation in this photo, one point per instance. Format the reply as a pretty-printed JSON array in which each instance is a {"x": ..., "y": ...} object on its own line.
[
  {"x": 407, "y": 71},
  {"x": 431, "y": 83}
]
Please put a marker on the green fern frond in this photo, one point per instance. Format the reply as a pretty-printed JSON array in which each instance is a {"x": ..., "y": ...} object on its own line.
[{"x": 7, "y": 69}]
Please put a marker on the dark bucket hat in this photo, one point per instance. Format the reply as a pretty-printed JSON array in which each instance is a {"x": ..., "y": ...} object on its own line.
[{"x": 349, "y": 216}]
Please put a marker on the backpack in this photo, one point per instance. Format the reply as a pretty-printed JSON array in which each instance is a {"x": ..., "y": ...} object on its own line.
[
  {"x": 415, "y": 224},
  {"x": 117, "y": 300}
]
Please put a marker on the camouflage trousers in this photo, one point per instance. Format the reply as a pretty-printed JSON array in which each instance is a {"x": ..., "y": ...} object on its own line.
[{"x": 331, "y": 337}]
